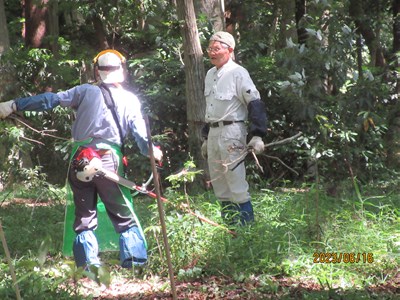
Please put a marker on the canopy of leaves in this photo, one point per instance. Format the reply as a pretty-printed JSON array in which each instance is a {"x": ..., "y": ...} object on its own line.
[{"x": 348, "y": 118}]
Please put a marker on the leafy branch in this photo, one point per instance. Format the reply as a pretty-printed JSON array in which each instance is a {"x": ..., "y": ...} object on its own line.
[{"x": 44, "y": 132}]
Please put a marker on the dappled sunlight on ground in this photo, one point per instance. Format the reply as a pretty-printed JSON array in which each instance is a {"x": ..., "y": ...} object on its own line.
[{"x": 224, "y": 288}]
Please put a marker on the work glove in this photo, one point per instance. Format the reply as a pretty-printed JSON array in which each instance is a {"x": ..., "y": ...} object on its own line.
[
  {"x": 257, "y": 144},
  {"x": 7, "y": 108},
  {"x": 158, "y": 155},
  {"x": 204, "y": 149}
]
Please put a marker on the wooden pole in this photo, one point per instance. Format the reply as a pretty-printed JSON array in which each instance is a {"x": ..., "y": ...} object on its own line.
[
  {"x": 160, "y": 209},
  {"x": 10, "y": 265}
]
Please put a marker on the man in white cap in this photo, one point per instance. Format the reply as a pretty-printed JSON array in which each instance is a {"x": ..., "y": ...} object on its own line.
[
  {"x": 232, "y": 101},
  {"x": 105, "y": 114}
]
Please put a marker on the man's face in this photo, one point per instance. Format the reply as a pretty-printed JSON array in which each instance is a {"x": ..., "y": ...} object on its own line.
[{"x": 218, "y": 53}]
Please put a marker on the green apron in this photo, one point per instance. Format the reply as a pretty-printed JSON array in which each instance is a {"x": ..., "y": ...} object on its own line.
[{"x": 107, "y": 238}]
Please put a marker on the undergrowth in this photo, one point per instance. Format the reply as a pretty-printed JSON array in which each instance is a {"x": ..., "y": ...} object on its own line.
[{"x": 297, "y": 233}]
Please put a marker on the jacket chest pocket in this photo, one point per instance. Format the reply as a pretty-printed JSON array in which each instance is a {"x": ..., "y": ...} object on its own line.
[
  {"x": 222, "y": 93},
  {"x": 224, "y": 96}
]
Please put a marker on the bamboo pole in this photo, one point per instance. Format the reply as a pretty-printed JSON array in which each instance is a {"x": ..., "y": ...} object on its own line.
[
  {"x": 160, "y": 209},
  {"x": 7, "y": 252}
]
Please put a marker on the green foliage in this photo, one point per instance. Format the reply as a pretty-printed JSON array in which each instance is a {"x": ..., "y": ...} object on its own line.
[
  {"x": 185, "y": 176},
  {"x": 314, "y": 88},
  {"x": 291, "y": 226},
  {"x": 159, "y": 79}
]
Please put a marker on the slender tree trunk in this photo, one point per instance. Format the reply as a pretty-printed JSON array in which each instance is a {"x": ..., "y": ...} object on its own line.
[
  {"x": 4, "y": 74},
  {"x": 284, "y": 12},
  {"x": 7, "y": 72},
  {"x": 393, "y": 134},
  {"x": 141, "y": 22},
  {"x": 35, "y": 24},
  {"x": 396, "y": 37},
  {"x": 396, "y": 25},
  {"x": 100, "y": 33},
  {"x": 300, "y": 12},
  {"x": 53, "y": 25},
  {"x": 4, "y": 37},
  {"x": 356, "y": 11},
  {"x": 194, "y": 73}
]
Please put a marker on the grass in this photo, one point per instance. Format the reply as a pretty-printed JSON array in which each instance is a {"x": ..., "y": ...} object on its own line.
[{"x": 292, "y": 225}]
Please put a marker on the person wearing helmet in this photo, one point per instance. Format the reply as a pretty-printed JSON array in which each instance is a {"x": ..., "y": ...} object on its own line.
[
  {"x": 232, "y": 101},
  {"x": 103, "y": 128}
]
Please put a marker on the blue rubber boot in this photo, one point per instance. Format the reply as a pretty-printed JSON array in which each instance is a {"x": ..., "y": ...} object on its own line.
[
  {"x": 86, "y": 250},
  {"x": 246, "y": 213},
  {"x": 229, "y": 212},
  {"x": 132, "y": 248}
]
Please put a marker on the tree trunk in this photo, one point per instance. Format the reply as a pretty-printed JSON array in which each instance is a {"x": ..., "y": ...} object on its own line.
[
  {"x": 4, "y": 46},
  {"x": 194, "y": 74},
  {"x": 4, "y": 38},
  {"x": 214, "y": 10},
  {"x": 41, "y": 20},
  {"x": 393, "y": 134},
  {"x": 53, "y": 26},
  {"x": 100, "y": 33},
  {"x": 396, "y": 25},
  {"x": 284, "y": 12},
  {"x": 300, "y": 12},
  {"x": 35, "y": 23},
  {"x": 396, "y": 38},
  {"x": 356, "y": 11}
]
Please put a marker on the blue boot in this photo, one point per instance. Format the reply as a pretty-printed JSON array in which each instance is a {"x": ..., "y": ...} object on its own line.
[
  {"x": 246, "y": 213},
  {"x": 132, "y": 248},
  {"x": 86, "y": 249}
]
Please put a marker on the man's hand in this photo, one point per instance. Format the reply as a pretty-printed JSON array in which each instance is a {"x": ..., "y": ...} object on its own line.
[
  {"x": 204, "y": 149},
  {"x": 257, "y": 144},
  {"x": 158, "y": 155},
  {"x": 7, "y": 108}
]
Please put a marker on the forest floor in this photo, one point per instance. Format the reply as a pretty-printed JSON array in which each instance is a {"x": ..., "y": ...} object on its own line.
[
  {"x": 152, "y": 287},
  {"x": 225, "y": 288}
]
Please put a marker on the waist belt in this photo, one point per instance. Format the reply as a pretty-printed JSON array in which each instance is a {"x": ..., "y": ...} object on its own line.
[{"x": 223, "y": 123}]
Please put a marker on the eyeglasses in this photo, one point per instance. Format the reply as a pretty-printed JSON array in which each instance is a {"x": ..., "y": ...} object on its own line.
[{"x": 215, "y": 50}]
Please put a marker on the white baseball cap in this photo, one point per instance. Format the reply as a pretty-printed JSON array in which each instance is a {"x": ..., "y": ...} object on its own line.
[{"x": 224, "y": 37}]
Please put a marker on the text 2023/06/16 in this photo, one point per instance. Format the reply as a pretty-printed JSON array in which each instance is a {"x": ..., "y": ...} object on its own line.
[{"x": 343, "y": 257}]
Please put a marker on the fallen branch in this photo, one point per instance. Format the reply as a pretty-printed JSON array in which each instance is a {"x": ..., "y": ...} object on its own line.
[
  {"x": 32, "y": 140},
  {"x": 183, "y": 207},
  {"x": 278, "y": 159},
  {"x": 257, "y": 162},
  {"x": 243, "y": 155}
]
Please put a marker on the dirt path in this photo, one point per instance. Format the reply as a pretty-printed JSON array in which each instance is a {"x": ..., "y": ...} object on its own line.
[{"x": 222, "y": 288}]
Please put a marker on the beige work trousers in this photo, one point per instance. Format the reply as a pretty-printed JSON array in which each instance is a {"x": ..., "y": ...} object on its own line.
[{"x": 225, "y": 145}]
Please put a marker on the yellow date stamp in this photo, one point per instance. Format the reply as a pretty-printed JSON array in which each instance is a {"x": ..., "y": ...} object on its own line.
[{"x": 343, "y": 257}]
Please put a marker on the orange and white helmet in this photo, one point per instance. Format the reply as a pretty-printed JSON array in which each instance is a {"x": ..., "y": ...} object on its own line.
[{"x": 109, "y": 64}]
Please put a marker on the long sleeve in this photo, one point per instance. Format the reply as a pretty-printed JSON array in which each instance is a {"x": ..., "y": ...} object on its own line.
[
  {"x": 257, "y": 118},
  {"x": 41, "y": 102},
  {"x": 139, "y": 133}
]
